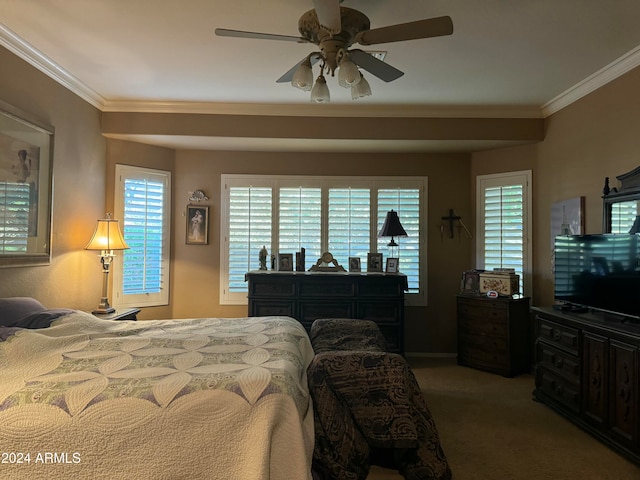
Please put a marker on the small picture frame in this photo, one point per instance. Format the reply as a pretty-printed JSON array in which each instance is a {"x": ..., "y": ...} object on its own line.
[
  {"x": 285, "y": 262},
  {"x": 197, "y": 225},
  {"x": 470, "y": 282},
  {"x": 354, "y": 264},
  {"x": 374, "y": 262},
  {"x": 392, "y": 265}
]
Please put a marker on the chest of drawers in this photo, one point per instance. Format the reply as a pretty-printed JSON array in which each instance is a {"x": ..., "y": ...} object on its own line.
[{"x": 493, "y": 334}]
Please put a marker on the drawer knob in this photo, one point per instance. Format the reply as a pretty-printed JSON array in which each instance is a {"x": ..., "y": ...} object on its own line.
[{"x": 559, "y": 363}]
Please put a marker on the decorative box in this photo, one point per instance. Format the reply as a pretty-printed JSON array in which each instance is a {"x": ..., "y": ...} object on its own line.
[{"x": 506, "y": 284}]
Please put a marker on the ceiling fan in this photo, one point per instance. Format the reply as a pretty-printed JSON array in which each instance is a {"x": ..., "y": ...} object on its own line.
[{"x": 334, "y": 29}]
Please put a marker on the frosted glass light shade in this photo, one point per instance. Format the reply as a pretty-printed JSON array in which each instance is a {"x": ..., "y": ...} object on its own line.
[
  {"x": 303, "y": 76},
  {"x": 320, "y": 91},
  {"x": 348, "y": 73},
  {"x": 360, "y": 89}
]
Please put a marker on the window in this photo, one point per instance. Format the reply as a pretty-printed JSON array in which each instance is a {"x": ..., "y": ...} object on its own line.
[
  {"x": 142, "y": 204},
  {"x": 14, "y": 217},
  {"x": 504, "y": 224},
  {"x": 623, "y": 216},
  {"x": 341, "y": 215}
]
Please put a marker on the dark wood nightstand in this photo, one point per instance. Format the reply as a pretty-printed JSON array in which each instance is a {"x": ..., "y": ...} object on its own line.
[{"x": 124, "y": 314}]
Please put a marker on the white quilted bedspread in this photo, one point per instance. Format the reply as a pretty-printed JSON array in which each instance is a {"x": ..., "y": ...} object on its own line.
[{"x": 164, "y": 399}]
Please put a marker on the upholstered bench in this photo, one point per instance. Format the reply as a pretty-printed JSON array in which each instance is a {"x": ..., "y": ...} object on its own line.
[
  {"x": 368, "y": 407},
  {"x": 346, "y": 334}
]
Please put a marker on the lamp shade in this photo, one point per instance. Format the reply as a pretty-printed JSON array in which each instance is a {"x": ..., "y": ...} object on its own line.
[
  {"x": 392, "y": 226},
  {"x": 107, "y": 236}
]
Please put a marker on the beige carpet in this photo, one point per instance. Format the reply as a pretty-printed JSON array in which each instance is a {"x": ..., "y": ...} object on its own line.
[{"x": 491, "y": 429}]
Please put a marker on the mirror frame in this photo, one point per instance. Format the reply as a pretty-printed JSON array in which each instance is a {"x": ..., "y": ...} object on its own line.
[
  {"x": 629, "y": 190},
  {"x": 20, "y": 130}
]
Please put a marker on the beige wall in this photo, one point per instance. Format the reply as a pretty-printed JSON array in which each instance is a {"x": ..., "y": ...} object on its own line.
[
  {"x": 195, "y": 290},
  {"x": 73, "y": 279},
  {"x": 594, "y": 138}
]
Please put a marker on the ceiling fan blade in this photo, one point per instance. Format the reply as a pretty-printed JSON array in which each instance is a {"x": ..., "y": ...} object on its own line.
[
  {"x": 328, "y": 12},
  {"x": 371, "y": 64},
  {"x": 430, "y": 27},
  {"x": 287, "y": 77},
  {"x": 224, "y": 32}
]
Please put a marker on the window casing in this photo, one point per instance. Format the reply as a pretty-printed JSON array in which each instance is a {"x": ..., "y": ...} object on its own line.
[
  {"x": 504, "y": 224},
  {"x": 142, "y": 204},
  {"x": 341, "y": 215}
]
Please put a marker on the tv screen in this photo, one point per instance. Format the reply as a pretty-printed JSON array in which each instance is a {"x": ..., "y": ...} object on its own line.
[{"x": 601, "y": 272}]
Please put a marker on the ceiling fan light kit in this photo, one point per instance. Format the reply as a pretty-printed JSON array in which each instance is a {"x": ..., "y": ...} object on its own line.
[{"x": 334, "y": 29}]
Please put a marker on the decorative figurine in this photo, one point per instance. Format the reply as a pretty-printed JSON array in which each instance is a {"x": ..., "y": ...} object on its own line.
[{"x": 263, "y": 258}]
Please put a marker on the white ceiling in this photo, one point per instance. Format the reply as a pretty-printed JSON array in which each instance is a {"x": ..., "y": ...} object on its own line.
[{"x": 519, "y": 58}]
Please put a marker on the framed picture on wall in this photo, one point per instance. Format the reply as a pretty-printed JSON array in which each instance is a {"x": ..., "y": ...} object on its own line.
[
  {"x": 374, "y": 262},
  {"x": 197, "y": 225}
]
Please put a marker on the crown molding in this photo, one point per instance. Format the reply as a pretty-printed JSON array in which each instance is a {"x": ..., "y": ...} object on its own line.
[
  {"x": 35, "y": 58},
  {"x": 610, "y": 72}
]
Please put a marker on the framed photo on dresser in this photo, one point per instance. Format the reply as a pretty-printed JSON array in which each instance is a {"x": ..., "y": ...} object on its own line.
[{"x": 374, "y": 262}]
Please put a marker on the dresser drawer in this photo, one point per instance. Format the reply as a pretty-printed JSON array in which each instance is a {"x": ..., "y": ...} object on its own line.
[
  {"x": 486, "y": 326},
  {"x": 487, "y": 348},
  {"x": 272, "y": 288},
  {"x": 315, "y": 288},
  {"x": 560, "y": 336},
  {"x": 558, "y": 361},
  {"x": 383, "y": 313},
  {"x": 267, "y": 309},
  {"x": 483, "y": 310},
  {"x": 557, "y": 388}
]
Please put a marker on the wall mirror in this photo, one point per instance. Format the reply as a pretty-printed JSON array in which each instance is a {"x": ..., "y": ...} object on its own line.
[
  {"x": 621, "y": 206},
  {"x": 26, "y": 154}
]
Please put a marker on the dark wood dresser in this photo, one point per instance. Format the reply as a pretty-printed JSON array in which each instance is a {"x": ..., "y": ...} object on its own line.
[
  {"x": 493, "y": 334},
  {"x": 307, "y": 296},
  {"x": 588, "y": 370}
]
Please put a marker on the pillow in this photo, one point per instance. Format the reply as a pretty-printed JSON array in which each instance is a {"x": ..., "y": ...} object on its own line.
[
  {"x": 13, "y": 309},
  {"x": 42, "y": 319},
  {"x": 6, "y": 332}
]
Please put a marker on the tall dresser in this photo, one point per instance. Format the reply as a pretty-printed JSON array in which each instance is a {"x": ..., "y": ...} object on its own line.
[
  {"x": 307, "y": 296},
  {"x": 493, "y": 334}
]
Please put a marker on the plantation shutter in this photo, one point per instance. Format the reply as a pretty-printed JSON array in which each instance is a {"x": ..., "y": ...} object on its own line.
[
  {"x": 503, "y": 228},
  {"x": 14, "y": 217},
  {"x": 349, "y": 215},
  {"x": 406, "y": 202},
  {"x": 504, "y": 224},
  {"x": 249, "y": 230},
  {"x": 144, "y": 277},
  {"x": 623, "y": 214},
  {"x": 320, "y": 214},
  {"x": 300, "y": 221}
]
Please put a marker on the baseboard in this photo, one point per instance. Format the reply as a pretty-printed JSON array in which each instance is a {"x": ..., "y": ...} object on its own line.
[{"x": 430, "y": 355}]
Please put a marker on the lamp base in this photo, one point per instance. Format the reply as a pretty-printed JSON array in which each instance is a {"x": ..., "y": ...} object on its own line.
[{"x": 103, "y": 311}]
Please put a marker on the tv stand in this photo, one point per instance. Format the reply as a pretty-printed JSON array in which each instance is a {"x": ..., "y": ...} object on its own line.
[{"x": 587, "y": 369}]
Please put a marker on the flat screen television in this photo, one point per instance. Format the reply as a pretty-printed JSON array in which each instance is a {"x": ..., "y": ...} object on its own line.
[{"x": 599, "y": 272}]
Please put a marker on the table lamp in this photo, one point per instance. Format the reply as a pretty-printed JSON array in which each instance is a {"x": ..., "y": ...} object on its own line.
[
  {"x": 106, "y": 238},
  {"x": 392, "y": 228}
]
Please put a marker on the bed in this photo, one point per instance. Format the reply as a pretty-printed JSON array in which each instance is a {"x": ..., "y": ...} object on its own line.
[{"x": 160, "y": 399}]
